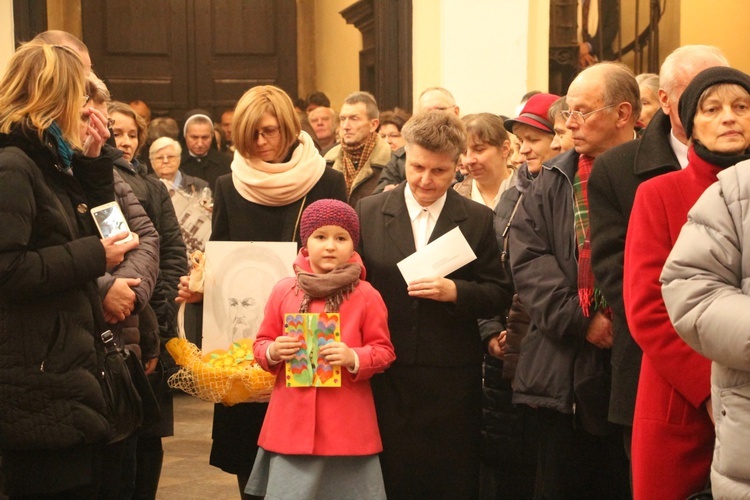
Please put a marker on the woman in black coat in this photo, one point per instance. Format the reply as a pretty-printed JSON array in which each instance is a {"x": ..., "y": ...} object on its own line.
[
  {"x": 53, "y": 421},
  {"x": 141, "y": 473},
  {"x": 276, "y": 173}
]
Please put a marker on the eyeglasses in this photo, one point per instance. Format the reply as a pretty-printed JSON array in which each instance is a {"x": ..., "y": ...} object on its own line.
[
  {"x": 164, "y": 159},
  {"x": 579, "y": 117},
  {"x": 395, "y": 135},
  {"x": 86, "y": 99},
  {"x": 267, "y": 133}
]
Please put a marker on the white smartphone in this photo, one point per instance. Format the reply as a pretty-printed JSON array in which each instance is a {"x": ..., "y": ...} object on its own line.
[{"x": 110, "y": 221}]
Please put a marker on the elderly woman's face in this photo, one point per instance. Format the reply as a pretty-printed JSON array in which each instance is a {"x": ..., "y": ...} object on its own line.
[
  {"x": 267, "y": 140},
  {"x": 722, "y": 121},
  {"x": 166, "y": 162}
]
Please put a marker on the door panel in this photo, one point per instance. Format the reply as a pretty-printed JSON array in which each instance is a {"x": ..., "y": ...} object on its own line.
[{"x": 181, "y": 54}]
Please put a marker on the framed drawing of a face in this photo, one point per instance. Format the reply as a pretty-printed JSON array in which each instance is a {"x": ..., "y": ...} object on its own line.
[{"x": 239, "y": 279}]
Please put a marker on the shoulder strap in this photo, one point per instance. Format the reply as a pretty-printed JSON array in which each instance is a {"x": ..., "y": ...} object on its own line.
[
  {"x": 504, "y": 253},
  {"x": 299, "y": 216}
]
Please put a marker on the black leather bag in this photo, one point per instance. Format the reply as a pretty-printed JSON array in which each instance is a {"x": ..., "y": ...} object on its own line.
[
  {"x": 149, "y": 403},
  {"x": 122, "y": 398}
]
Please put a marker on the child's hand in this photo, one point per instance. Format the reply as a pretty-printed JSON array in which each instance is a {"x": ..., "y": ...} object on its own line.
[
  {"x": 284, "y": 348},
  {"x": 338, "y": 354}
]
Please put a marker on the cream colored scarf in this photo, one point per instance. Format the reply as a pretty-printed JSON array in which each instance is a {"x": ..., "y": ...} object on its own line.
[{"x": 278, "y": 184}]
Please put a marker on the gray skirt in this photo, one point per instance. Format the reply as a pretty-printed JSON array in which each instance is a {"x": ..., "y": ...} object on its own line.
[{"x": 298, "y": 477}]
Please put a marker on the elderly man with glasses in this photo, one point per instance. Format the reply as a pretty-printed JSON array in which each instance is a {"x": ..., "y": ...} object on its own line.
[
  {"x": 564, "y": 362},
  {"x": 164, "y": 155}
]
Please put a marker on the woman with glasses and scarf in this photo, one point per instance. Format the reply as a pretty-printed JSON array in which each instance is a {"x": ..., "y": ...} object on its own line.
[{"x": 276, "y": 173}]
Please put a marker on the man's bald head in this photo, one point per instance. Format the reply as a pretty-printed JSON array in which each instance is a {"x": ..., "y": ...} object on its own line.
[
  {"x": 436, "y": 99},
  {"x": 58, "y": 37}
]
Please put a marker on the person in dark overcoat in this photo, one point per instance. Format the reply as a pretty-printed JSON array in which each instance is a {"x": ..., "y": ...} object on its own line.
[
  {"x": 429, "y": 401},
  {"x": 616, "y": 175}
]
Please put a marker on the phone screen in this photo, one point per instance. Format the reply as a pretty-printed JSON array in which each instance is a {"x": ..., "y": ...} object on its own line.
[{"x": 109, "y": 220}]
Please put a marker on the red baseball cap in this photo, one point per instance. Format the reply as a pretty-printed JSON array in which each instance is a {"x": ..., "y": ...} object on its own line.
[{"x": 534, "y": 113}]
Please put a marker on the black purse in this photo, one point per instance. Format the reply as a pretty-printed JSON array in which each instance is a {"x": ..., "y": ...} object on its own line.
[{"x": 124, "y": 404}]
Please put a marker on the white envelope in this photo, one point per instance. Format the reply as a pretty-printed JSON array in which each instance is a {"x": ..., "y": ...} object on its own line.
[{"x": 439, "y": 258}]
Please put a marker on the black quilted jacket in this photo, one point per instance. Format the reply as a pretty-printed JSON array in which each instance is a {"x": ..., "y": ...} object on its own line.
[{"x": 50, "y": 257}]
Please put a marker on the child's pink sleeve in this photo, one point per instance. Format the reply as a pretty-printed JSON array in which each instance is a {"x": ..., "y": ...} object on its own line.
[
  {"x": 376, "y": 353},
  {"x": 271, "y": 327}
]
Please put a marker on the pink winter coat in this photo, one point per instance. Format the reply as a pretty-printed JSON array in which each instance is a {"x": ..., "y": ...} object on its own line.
[{"x": 337, "y": 421}]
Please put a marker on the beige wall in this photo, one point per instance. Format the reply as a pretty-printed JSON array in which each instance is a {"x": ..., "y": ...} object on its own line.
[
  {"x": 337, "y": 47},
  {"x": 7, "y": 44},
  {"x": 537, "y": 69},
  {"x": 724, "y": 23},
  {"x": 488, "y": 53},
  {"x": 426, "y": 46}
]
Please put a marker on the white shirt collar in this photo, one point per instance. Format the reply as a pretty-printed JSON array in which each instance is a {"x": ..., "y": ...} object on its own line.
[
  {"x": 680, "y": 149},
  {"x": 178, "y": 179},
  {"x": 413, "y": 206}
]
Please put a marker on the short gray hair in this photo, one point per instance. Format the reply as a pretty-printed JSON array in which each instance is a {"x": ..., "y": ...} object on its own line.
[
  {"x": 163, "y": 142},
  {"x": 437, "y": 132},
  {"x": 688, "y": 61},
  {"x": 366, "y": 98}
]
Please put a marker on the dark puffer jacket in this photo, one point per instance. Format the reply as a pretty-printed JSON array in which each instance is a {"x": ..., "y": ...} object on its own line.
[
  {"x": 154, "y": 198},
  {"x": 50, "y": 257},
  {"x": 141, "y": 262}
]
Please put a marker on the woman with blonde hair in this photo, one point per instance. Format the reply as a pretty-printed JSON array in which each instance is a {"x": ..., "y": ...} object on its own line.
[
  {"x": 53, "y": 419},
  {"x": 276, "y": 173}
]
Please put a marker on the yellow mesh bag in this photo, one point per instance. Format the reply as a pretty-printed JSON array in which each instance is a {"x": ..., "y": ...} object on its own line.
[{"x": 223, "y": 376}]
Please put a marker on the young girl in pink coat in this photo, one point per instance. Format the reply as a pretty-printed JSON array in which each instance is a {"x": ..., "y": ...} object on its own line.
[{"x": 324, "y": 442}]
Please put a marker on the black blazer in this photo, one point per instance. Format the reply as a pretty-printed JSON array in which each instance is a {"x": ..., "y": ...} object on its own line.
[
  {"x": 427, "y": 332},
  {"x": 614, "y": 180}
]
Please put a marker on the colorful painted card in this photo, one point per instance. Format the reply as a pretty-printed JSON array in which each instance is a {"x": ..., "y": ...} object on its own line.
[{"x": 314, "y": 330}]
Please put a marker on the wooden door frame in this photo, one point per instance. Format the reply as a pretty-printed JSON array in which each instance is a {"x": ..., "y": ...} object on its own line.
[{"x": 385, "y": 61}]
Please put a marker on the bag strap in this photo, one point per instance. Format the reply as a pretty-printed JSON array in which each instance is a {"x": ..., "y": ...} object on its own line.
[
  {"x": 299, "y": 216},
  {"x": 504, "y": 253}
]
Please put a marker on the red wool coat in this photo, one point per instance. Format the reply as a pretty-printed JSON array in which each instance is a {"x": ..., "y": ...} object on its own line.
[
  {"x": 327, "y": 421},
  {"x": 672, "y": 433}
]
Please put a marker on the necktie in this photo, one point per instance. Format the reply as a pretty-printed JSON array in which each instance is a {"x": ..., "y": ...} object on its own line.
[{"x": 423, "y": 224}]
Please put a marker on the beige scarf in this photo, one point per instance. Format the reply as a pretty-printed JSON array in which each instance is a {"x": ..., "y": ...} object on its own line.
[{"x": 279, "y": 184}]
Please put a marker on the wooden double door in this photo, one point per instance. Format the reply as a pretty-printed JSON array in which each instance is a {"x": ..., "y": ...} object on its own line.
[{"x": 177, "y": 55}]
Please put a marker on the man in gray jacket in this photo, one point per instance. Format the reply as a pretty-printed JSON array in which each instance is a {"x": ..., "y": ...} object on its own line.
[{"x": 571, "y": 330}]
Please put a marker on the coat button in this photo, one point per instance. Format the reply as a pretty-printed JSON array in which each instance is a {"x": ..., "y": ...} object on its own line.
[
  {"x": 82, "y": 208},
  {"x": 723, "y": 413}
]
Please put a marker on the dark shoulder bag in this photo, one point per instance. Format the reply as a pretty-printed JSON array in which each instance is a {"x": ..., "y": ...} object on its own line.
[{"x": 122, "y": 398}]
